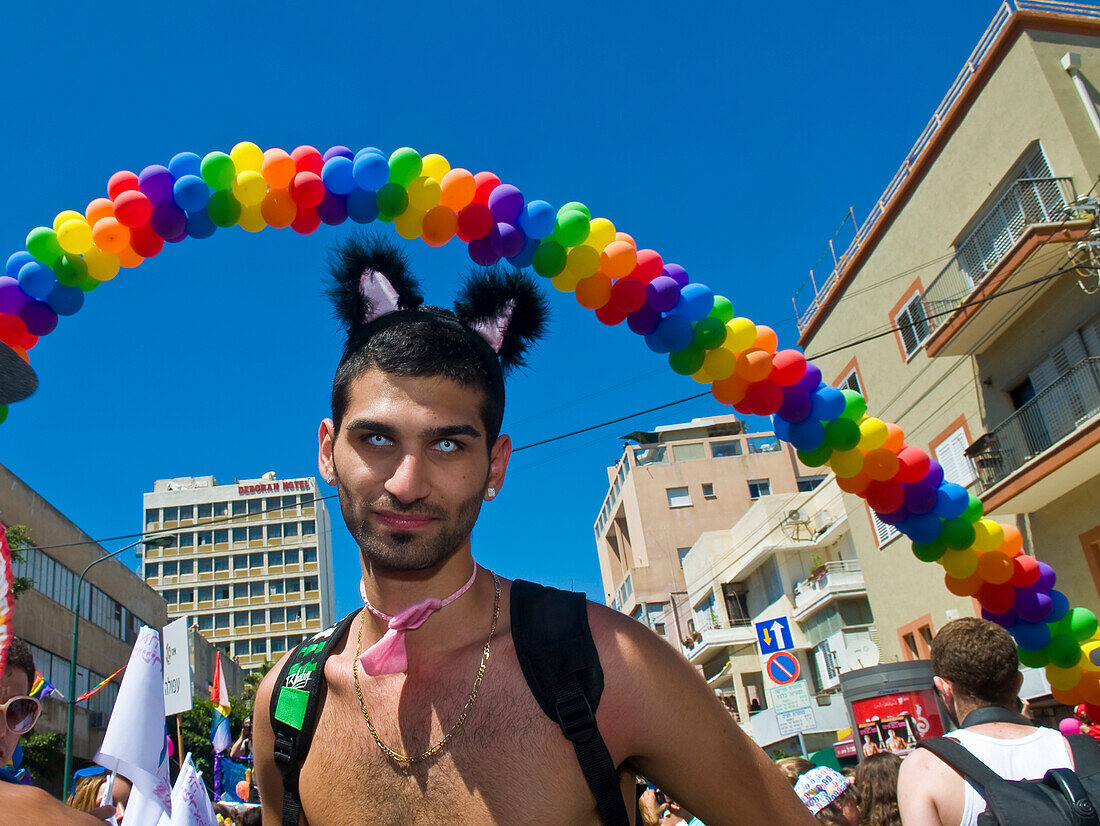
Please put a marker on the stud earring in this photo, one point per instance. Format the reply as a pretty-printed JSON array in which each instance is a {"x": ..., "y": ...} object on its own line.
[
  {"x": 330, "y": 478},
  {"x": 490, "y": 493}
]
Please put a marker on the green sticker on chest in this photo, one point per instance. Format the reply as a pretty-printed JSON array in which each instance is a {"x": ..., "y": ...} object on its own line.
[{"x": 291, "y": 707}]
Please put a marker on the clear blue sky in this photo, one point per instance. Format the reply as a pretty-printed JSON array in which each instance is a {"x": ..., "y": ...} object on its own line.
[{"x": 732, "y": 138}]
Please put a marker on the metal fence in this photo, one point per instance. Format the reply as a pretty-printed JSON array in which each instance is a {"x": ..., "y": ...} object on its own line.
[{"x": 1050, "y": 416}]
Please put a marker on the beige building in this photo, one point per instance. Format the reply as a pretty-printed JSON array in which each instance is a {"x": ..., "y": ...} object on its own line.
[
  {"x": 250, "y": 563},
  {"x": 114, "y": 604},
  {"x": 981, "y": 257},
  {"x": 668, "y": 487}
]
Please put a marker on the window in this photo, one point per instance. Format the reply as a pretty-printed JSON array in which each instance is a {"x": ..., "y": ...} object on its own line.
[
  {"x": 170, "y": 568},
  {"x": 221, "y": 509},
  {"x": 187, "y": 567},
  {"x": 221, "y": 593},
  {"x": 311, "y": 582},
  {"x": 308, "y": 528},
  {"x": 277, "y": 615},
  {"x": 763, "y": 444},
  {"x": 678, "y": 497},
  {"x": 290, "y": 502},
  {"x": 274, "y": 557},
  {"x": 151, "y": 569},
  {"x": 759, "y": 487},
  {"x": 274, "y": 531},
  {"x": 912, "y": 324},
  {"x": 259, "y": 647},
  {"x": 240, "y": 507},
  {"x": 205, "y": 511},
  {"x": 240, "y": 591},
  {"x": 206, "y": 593},
  {"x": 221, "y": 564},
  {"x": 273, "y": 503},
  {"x": 221, "y": 621},
  {"x": 720, "y": 450},
  {"x": 206, "y": 538},
  {"x": 951, "y": 453},
  {"x": 293, "y": 614},
  {"x": 290, "y": 556},
  {"x": 240, "y": 619},
  {"x": 255, "y": 506},
  {"x": 884, "y": 531},
  {"x": 850, "y": 382},
  {"x": 171, "y": 514},
  {"x": 256, "y": 560},
  {"x": 256, "y": 590},
  {"x": 309, "y": 555},
  {"x": 688, "y": 452},
  {"x": 256, "y": 534},
  {"x": 187, "y": 512},
  {"x": 152, "y": 516},
  {"x": 681, "y": 553},
  {"x": 278, "y": 645},
  {"x": 290, "y": 530},
  {"x": 313, "y": 612},
  {"x": 187, "y": 595},
  {"x": 275, "y": 587},
  {"x": 205, "y": 621},
  {"x": 708, "y": 490},
  {"x": 808, "y": 483},
  {"x": 169, "y": 595},
  {"x": 258, "y": 618},
  {"x": 240, "y": 535},
  {"x": 240, "y": 562},
  {"x": 221, "y": 537}
]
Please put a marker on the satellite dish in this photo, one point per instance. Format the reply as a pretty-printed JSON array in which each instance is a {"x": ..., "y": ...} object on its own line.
[{"x": 863, "y": 654}]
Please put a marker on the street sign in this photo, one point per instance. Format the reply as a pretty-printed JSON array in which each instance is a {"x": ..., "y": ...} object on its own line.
[
  {"x": 782, "y": 668},
  {"x": 795, "y": 722},
  {"x": 791, "y": 697},
  {"x": 177, "y": 668},
  {"x": 774, "y": 635}
]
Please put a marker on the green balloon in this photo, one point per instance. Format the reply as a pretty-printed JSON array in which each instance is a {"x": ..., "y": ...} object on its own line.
[
  {"x": 405, "y": 167},
  {"x": 929, "y": 551},
  {"x": 1063, "y": 651},
  {"x": 87, "y": 283},
  {"x": 1032, "y": 659},
  {"x": 973, "y": 511},
  {"x": 224, "y": 210},
  {"x": 1078, "y": 623},
  {"x": 392, "y": 201},
  {"x": 686, "y": 361},
  {"x": 722, "y": 309},
  {"x": 842, "y": 434},
  {"x": 219, "y": 172},
  {"x": 572, "y": 228},
  {"x": 549, "y": 258},
  {"x": 3, "y": 413},
  {"x": 42, "y": 244},
  {"x": 958, "y": 534},
  {"x": 69, "y": 269},
  {"x": 855, "y": 406},
  {"x": 575, "y": 206},
  {"x": 709, "y": 333},
  {"x": 816, "y": 457}
]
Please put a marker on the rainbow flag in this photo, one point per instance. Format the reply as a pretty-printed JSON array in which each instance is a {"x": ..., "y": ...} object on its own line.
[
  {"x": 95, "y": 690},
  {"x": 220, "y": 735},
  {"x": 43, "y": 688}
]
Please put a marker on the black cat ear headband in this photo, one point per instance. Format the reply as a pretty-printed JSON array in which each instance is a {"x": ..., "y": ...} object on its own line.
[{"x": 500, "y": 312}]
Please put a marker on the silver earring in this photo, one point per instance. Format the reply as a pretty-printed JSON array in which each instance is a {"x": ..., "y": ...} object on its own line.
[
  {"x": 330, "y": 478},
  {"x": 491, "y": 492}
]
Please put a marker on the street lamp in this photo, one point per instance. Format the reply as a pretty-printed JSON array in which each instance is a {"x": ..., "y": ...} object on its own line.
[{"x": 157, "y": 541}]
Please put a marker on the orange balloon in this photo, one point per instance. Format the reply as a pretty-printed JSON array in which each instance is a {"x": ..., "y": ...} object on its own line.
[
  {"x": 729, "y": 391},
  {"x": 856, "y": 484},
  {"x": 439, "y": 227},
  {"x": 754, "y": 365},
  {"x": 1014, "y": 541},
  {"x": 881, "y": 464},
  {"x": 896, "y": 440},
  {"x": 622, "y": 236},
  {"x": 1089, "y": 687},
  {"x": 964, "y": 587},
  {"x": 278, "y": 208},
  {"x": 109, "y": 235},
  {"x": 99, "y": 208},
  {"x": 766, "y": 339},
  {"x": 457, "y": 188},
  {"x": 128, "y": 258},
  {"x": 618, "y": 259},
  {"x": 278, "y": 169},
  {"x": 995, "y": 567},
  {"x": 594, "y": 291},
  {"x": 1067, "y": 698}
]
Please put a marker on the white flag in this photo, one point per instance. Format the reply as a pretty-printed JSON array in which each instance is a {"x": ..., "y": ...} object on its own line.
[
  {"x": 135, "y": 744},
  {"x": 190, "y": 801}
]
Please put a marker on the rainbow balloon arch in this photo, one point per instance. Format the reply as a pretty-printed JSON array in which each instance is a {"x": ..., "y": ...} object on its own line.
[{"x": 424, "y": 197}]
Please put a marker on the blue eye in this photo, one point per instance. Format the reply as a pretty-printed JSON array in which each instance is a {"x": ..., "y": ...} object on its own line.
[
  {"x": 377, "y": 440},
  {"x": 449, "y": 446}
]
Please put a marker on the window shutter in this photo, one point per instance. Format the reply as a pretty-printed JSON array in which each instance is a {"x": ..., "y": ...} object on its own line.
[
  {"x": 951, "y": 453},
  {"x": 1090, "y": 335},
  {"x": 884, "y": 531}
]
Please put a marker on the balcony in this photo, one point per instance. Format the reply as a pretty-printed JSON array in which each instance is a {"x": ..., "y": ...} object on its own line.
[
  {"x": 713, "y": 640},
  {"x": 831, "y": 580},
  {"x": 1046, "y": 448},
  {"x": 1021, "y": 238}
]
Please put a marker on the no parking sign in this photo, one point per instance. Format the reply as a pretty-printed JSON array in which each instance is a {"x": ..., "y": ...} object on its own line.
[{"x": 783, "y": 668}]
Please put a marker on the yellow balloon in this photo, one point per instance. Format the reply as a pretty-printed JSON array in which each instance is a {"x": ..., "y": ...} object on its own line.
[
  {"x": 246, "y": 155},
  {"x": 959, "y": 564},
  {"x": 65, "y": 215},
  {"x": 846, "y": 463},
  {"x": 251, "y": 219},
  {"x": 988, "y": 535},
  {"x": 566, "y": 281},
  {"x": 1091, "y": 661},
  {"x": 250, "y": 188},
  {"x": 409, "y": 224},
  {"x": 581, "y": 262},
  {"x": 601, "y": 232},
  {"x": 874, "y": 433},
  {"x": 1063, "y": 679},
  {"x": 740, "y": 334},
  {"x": 701, "y": 375},
  {"x": 75, "y": 236},
  {"x": 102, "y": 266},
  {"x": 720, "y": 363},
  {"x": 434, "y": 167},
  {"x": 424, "y": 193}
]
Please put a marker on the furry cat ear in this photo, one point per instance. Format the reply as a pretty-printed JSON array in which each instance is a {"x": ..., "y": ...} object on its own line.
[
  {"x": 506, "y": 309},
  {"x": 370, "y": 278}
]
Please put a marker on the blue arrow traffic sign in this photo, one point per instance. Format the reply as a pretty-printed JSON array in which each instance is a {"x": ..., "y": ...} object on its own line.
[{"x": 774, "y": 635}]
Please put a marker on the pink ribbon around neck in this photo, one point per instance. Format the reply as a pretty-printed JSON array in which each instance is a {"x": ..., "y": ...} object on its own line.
[{"x": 388, "y": 655}]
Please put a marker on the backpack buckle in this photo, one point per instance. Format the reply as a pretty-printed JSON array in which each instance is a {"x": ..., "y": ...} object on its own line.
[
  {"x": 283, "y": 750},
  {"x": 575, "y": 717}
]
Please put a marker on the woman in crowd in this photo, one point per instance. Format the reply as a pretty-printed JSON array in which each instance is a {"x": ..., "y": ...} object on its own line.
[
  {"x": 90, "y": 792},
  {"x": 829, "y": 797},
  {"x": 876, "y": 788}
]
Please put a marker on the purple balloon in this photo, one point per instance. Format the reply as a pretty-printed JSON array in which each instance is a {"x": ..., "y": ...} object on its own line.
[
  {"x": 168, "y": 220},
  {"x": 935, "y": 473},
  {"x": 796, "y": 404},
  {"x": 506, "y": 239},
  {"x": 506, "y": 203},
  {"x": 812, "y": 380},
  {"x": 643, "y": 320},
  {"x": 337, "y": 152},
  {"x": 1032, "y": 606},
  {"x": 16, "y": 261},
  {"x": 39, "y": 318},
  {"x": 156, "y": 182},
  {"x": 1047, "y": 578},
  {"x": 1005, "y": 620},
  {"x": 333, "y": 209},
  {"x": 676, "y": 273},
  {"x": 662, "y": 293},
  {"x": 482, "y": 252},
  {"x": 920, "y": 497},
  {"x": 894, "y": 517},
  {"x": 12, "y": 298}
]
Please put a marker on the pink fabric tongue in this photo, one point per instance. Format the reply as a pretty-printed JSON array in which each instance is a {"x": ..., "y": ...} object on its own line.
[{"x": 388, "y": 655}]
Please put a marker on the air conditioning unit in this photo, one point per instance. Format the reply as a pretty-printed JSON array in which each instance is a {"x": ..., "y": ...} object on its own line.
[{"x": 797, "y": 516}]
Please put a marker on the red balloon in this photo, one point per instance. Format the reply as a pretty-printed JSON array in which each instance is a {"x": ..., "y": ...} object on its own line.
[
  {"x": 1026, "y": 571},
  {"x": 306, "y": 221},
  {"x": 788, "y": 367},
  {"x": 144, "y": 241},
  {"x": 12, "y": 330},
  {"x": 474, "y": 221},
  {"x": 628, "y": 294},
  {"x": 132, "y": 208},
  {"x": 649, "y": 266},
  {"x": 885, "y": 496},
  {"x": 609, "y": 315},
  {"x": 484, "y": 184},
  {"x": 763, "y": 398},
  {"x": 307, "y": 189},
  {"x": 307, "y": 159},
  {"x": 913, "y": 464},
  {"x": 997, "y": 599},
  {"x": 121, "y": 182}
]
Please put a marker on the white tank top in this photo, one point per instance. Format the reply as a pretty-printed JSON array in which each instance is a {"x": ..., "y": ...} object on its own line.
[{"x": 1026, "y": 758}]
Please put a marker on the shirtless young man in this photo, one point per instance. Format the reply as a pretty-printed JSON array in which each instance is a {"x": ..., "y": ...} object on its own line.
[{"x": 414, "y": 449}]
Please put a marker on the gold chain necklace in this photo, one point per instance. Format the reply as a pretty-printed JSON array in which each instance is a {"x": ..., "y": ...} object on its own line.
[{"x": 409, "y": 759}]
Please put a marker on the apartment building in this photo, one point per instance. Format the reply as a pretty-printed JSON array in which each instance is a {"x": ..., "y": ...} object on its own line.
[
  {"x": 669, "y": 486},
  {"x": 250, "y": 563},
  {"x": 981, "y": 257}
]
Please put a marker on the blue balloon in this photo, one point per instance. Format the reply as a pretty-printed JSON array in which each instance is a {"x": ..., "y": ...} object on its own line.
[
  {"x": 654, "y": 343},
  {"x": 185, "y": 163},
  {"x": 16, "y": 262},
  {"x": 696, "y": 300},
  {"x": 828, "y": 403},
  {"x": 65, "y": 300},
  {"x": 338, "y": 175},
  {"x": 922, "y": 527},
  {"x": 368, "y": 150},
  {"x": 675, "y": 332},
  {"x": 36, "y": 279},
  {"x": 199, "y": 224},
  {"x": 951, "y": 501},
  {"x": 362, "y": 205},
  {"x": 781, "y": 428},
  {"x": 1031, "y": 636},
  {"x": 525, "y": 256},
  {"x": 807, "y": 434},
  {"x": 370, "y": 171},
  {"x": 191, "y": 193},
  {"x": 1059, "y": 606},
  {"x": 537, "y": 219}
]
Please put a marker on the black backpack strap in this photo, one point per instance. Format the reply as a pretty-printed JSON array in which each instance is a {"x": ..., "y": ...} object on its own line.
[
  {"x": 1086, "y": 754},
  {"x": 995, "y": 714},
  {"x": 294, "y": 702},
  {"x": 562, "y": 667},
  {"x": 958, "y": 757}
]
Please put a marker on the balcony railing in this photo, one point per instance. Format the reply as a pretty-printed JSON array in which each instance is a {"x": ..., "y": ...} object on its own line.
[
  {"x": 1050, "y": 416},
  {"x": 1029, "y": 201},
  {"x": 844, "y": 575}
]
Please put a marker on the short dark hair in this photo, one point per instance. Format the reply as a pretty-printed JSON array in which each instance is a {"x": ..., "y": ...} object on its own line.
[
  {"x": 421, "y": 348},
  {"x": 978, "y": 658},
  {"x": 19, "y": 656}
]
